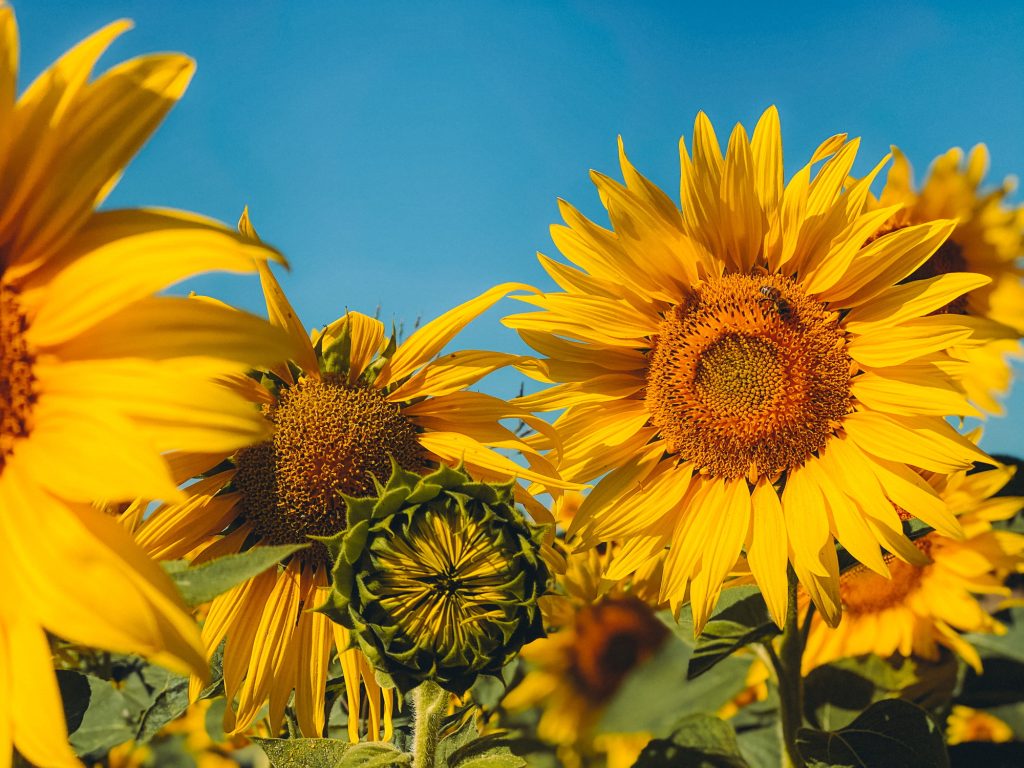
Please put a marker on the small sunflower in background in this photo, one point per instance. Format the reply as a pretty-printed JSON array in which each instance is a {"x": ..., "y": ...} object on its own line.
[
  {"x": 351, "y": 402},
  {"x": 598, "y": 632},
  {"x": 438, "y": 578},
  {"x": 749, "y": 372},
  {"x": 99, "y": 376},
  {"x": 929, "y": 604},
  {"x": 966, "y": 724},
  {"x": 988, "y": 239}
]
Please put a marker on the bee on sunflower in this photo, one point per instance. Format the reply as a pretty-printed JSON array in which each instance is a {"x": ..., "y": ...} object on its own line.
[{"x": 752, "y": 371}]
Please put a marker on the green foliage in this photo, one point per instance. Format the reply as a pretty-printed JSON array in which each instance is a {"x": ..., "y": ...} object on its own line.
[
  {"x": 97, "y": 714},
  {"x": 201, "y": 583},
  {"x": 741, "y": 619},
  {"x": 697, "y": 741},
  {"x": 835, "y": 694},
  {"x": 330, "y": 753},
  {"x": 655, "y": 695},
  {"x": 888, "y": 734}
]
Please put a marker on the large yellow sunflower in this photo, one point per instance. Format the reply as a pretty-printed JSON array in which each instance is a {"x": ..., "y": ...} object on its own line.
[
  {"x": 350, "y": 402},
  {"x": 988, "y": 239},
  {"x": 749, "y": 373},
  {"x": 922, "y": 607},
  {"x": 98, "y": 377}
]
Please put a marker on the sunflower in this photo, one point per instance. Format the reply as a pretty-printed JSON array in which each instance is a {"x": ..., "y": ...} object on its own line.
[
  {"x": 98, "y": 376},
  {"x": 598, "y": 632},
  {"x": 351, "y": 401},
  {"x": 988, "y": 239},
  {"x": 966, "y": 724},
  {"x": 749, "y": 373},
  {"x": 922, "y": 607}
]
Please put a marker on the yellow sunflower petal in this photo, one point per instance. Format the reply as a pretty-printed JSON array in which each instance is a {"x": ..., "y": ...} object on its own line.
[
  {"x": 429, "y": 340},
  {"x": 920, "y": 441},
  {"x": 283, "y": 315},
  {"x": 180, "y": 328},
  {"x": 90, "y": 583},
  {"x": 766, "y": 146},
  {"x": 914, "y": 299},
  {"x": 802, "y": 506},
  {"x": 120, "y": 257},
  {"x": 452, "y": 447},
  {"x": 884, "y": 262},
  {"x": 37, "y": 717},
  {"x": 34, "y": 140},
  {"x": 767, "y": 552},
  {"x": 452, "y": 373},
  {"x": 731, "y": 526},
  {"x": 109, "y": 123}
]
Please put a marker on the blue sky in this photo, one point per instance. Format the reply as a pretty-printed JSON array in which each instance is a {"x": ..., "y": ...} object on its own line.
[{"x": 409, "y": 155}]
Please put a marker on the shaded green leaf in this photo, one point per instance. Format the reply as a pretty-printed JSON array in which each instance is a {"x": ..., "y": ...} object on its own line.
[
  {"x": 373, "y": 756},
  {"x": 741, "y": 619},
  {"x": 168, "y": 700},
  {"x": 201, "y": 583},
  {"x": 888, "y": 734},
  {"x": 98, "y": 717},
  {"x": 503, "y": 749},
  {"x": 1009, "y": 645},
  {"x": 698, "y": 741},
  {"x": 656, "y": 694},
  {"x": 836, "y": 693},
  {"x": 305, "y": 753},
  {"x": 455, "y": 741}
]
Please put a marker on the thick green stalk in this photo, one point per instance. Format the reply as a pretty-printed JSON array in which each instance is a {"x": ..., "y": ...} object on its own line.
[
  {"x": 788, "y": 664},
  {"x": 429, "y": 703}
]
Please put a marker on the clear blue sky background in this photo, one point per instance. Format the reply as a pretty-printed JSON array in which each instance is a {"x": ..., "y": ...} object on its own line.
[{"x": 409, "y": 155}]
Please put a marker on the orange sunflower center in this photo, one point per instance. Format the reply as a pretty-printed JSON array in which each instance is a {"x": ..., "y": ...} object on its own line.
[
  {"x": 17, "y": 382},
  {"x": 612, "y": 638},
  {"x": 330, "y": 439},
  {"x": 863, "y": 591},
  {"x": 748, "y": 377}
]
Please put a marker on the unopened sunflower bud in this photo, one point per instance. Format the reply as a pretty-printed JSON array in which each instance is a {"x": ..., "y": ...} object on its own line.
[{"x": 437, "y": 577}]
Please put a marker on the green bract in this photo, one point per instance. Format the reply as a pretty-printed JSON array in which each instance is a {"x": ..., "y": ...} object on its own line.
[{"x": 438, "y": 578}]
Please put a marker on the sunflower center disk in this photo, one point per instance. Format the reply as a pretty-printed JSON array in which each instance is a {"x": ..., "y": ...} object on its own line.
[
  {"x": 17, "y": 382},
  {"x": 863, "y": 591},
  {"x": 445, "y": 580},
  {"x": 330, "y": 439},
  {"x": 749, "y": 377}
]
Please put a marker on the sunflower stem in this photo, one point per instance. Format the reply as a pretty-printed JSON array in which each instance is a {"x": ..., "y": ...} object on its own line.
[
  {"x": 429, "y": 702},
  {"x": 788, "y": 665}
]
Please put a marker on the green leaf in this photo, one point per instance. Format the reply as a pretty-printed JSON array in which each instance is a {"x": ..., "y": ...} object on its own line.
[
  {"x": 698, "y": 741},
  {"x": 201, "y": 583},
  {"x": 1009, "y": 645},
  {"x": 741, "y": 619},
  {"x": 495, "y": 750},
  {"x": 455, "y": 741},
  {"x": 888, "y": 734},
  {"x": 494, "y": 760},
  {"x": 656, "y": 694},
  {"x": 168, "y": 700},
  {"x": 373, "y": 755},
  {"x": 836, "y": 693},
  {"x": 97, "y": 714},
  {"x": 304, "y": 753}
]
